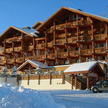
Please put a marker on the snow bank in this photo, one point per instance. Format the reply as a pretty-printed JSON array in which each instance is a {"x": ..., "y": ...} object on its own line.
[{"x": 14, "y": 97}]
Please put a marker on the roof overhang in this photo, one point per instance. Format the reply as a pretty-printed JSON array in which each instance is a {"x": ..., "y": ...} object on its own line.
[{"x": 73, "y": 11}]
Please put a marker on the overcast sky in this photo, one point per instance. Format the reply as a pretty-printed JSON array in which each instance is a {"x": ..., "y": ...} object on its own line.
[{"x": 22, "y": 13}]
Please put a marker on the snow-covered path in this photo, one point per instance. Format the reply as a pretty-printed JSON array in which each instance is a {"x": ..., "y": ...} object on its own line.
[{"x": 80, "y": 99}]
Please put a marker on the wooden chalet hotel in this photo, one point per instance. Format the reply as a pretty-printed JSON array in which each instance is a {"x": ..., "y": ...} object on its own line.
[{"x": 68, "y": 36}]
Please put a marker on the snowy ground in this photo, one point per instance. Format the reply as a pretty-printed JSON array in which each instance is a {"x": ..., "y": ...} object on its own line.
[
  {"x": 12, "y": 97},
  {"x": 80, "y": 99}
]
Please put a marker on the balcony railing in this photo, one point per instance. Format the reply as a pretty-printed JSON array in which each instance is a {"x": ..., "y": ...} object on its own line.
[
  {"x": 31, "y": 48},
  {"x": 10, "y": 61},
  {"x": 60, "y": 42},
  {"x": 86, "y": 52},
  {"x": 13, "y": 39},
  {"x": 50, "y": 44},
  {"x": 8, "y": 50},
  {"x": 72, "y": 40},
  {"x": 17, "y": 49},
  {"x": 100, "y": 36},
  {"x": 85, "y": 38},
  {"x": 20, "y": 60},
  {"x": 29, "y": 57},
  {"x": 41, "y": 57},
  {"x": 62, "y": 54},
  {"x": 51, "y": 56},
  {"x": 100, "y": 50},
  {"x": 73, "y": 53},
  {"x": 40, "y": 46},
  {"x": 1, "y": 52}
]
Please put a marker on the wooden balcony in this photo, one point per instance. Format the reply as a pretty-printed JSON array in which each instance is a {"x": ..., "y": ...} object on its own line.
[
  {"x": 60, "y": 42},
  {"x": 100, "y": 50},
  {"x": 17, "y": 49},
  {"x": 51, "y": 56},
  {"x": 31, "y": 48},
  {"x": 1, "y": 52},
  {"x": 84, "y": 38},
  {"x": 13, "y": 39},
  {"x": 100, "y": 37},
  {"x": 29, "y": 58},
  {"x": 71, "y": 40},
  {"x": 50, "y": 44},
  {"x": 40, "y": 46},
  {"x": 40, "y": 57},
  {"x": 86, "y": 52},
  {"x": 2, "y": 62},
  {"x": 73, "y": 53},
  {"x": 8, "y": 50},
  {"x": 62, "y": 55},
  {"x": 20, "y": 60},
  {"x": 10, "y": 61}
]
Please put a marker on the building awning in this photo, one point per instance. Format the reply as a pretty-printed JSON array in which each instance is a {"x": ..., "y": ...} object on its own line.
[
  {"x": 33, "y": 64},
  {"x": 84, "y": 67}
]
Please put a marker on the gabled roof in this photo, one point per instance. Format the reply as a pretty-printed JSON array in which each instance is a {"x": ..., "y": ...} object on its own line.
[
  {"x": 64, "y": 9},
  {"x": 84, "y": 67},
  {"x": 36, "y": 25},
  {"x": 28, "y": 31},
  {"x": 34, "y": 63}
]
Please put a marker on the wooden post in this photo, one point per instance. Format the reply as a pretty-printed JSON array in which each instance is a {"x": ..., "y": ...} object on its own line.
[
  {"x": 46, "y": 47},
  {"x": 72, "y": 80},
  {"x": 50, "y": 79},
  {"x": 34, "y": 46},
  {"x": 39, "y": 79},
  {"x": 28, "y": 79},
  {"x": 87, "y": 82},
  {"x": 63, "y": 78},
  {"x": 75, "y": 81},
  {"x": 93, "y": 44},
  {"x": 66, "y": 31}
]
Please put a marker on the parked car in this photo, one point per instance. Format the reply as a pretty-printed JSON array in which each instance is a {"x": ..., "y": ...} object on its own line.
[{"x": 100, "y": 86}]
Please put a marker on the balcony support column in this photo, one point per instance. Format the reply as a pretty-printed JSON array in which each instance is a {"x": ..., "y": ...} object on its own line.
[
  {"x": 93, "y": 44},
  {"x": 34, "y": 46},
  {"x": 22, "y": 46},
  {"x": 106, "y": 32},
  {"x": 46, "y": 48},
  {"x": 13, "y": 53}
]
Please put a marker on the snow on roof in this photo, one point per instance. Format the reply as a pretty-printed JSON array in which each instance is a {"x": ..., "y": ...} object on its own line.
[
  {"x": 36, "y": 63},
  {"x": 79, "y": 67},
  {"x": 30, "y": 31}
]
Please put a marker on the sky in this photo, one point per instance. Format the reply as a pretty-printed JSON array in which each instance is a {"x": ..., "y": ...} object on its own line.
[{"x": 21, "y": 13}]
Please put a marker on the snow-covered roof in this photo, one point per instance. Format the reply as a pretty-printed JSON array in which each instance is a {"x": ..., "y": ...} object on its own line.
[
  {"x": 34, "y": 62},
  {"x": 79, "y": 67},
  {"x": 31, "y": 31}
]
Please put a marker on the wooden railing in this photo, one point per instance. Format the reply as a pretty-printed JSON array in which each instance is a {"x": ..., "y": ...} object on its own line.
[
  {"x": 100, "y": 36},
  {"x": 72, "y": 40},
  {"x": 29, "y": 57},
  {"x": 84, "y": 38},
  {"x": 41, "y": 56},
  {"x": 50, "y": 44},
  {"x": 60, "y": 41},
  {"x": 86, "y": 51},
  {"x": 51, "y": 55},
  {"x": 30, "y": 47},
  {"x": 68, "y": 25},
  {"x": 1, "y": 52},
  {"x": 100, "y": 50},
  {"x": 17, "y": 49},
  {"x": 9, "y": 50},
  {"x": 14, "y": 39},
  {"x": 40, "y": 46},
  {"x": 10, "y": 61},
  {"x": 62, "y": 54},
  {"x": 73, "y": 53},
  {"x": 19, "y": 60}
]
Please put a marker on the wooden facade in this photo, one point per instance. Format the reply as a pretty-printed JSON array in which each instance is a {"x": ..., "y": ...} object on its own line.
[{"x": 67, "y": 37}]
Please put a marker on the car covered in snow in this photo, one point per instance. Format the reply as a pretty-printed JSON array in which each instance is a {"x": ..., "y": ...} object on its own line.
[{"x": 100, "y": 86}]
